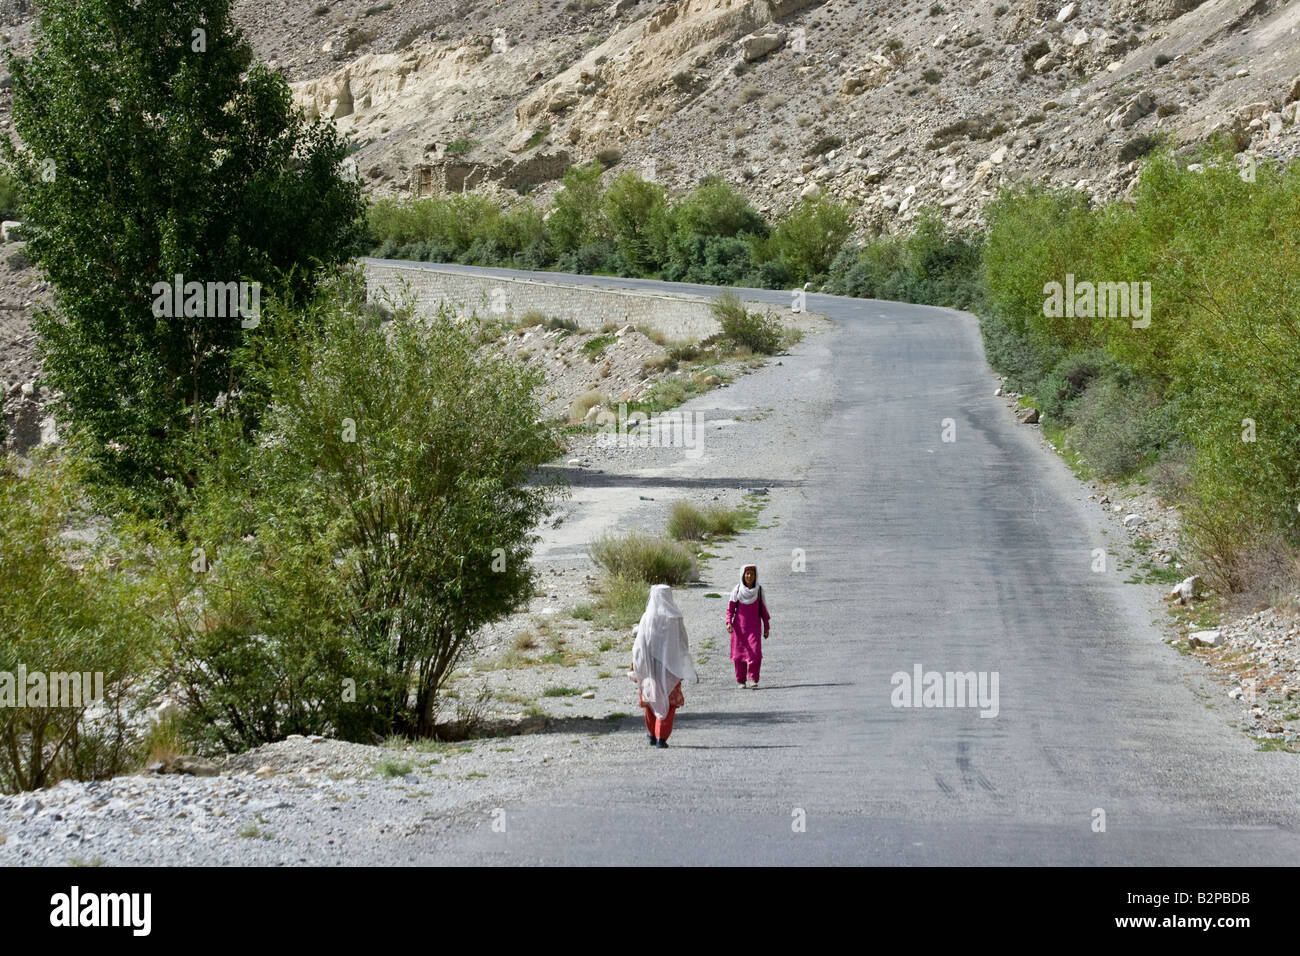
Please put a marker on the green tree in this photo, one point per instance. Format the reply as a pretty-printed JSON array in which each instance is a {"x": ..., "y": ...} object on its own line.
[
  {"x": 152, "y": 147},
  {"x": 576, "y": 219},
  {"x": 637, "y": 212},
  {"x": 809, "y": 236},
  {"x": 712, "y": 231},
  {"x": 420, "y": 451}
]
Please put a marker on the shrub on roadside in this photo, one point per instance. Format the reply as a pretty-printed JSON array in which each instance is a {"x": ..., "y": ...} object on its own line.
[
  {"x": 70, "y": 609},
  {"x": 689, "y": 522},
  {"x": 641, "y": 557},
  {"x": 752, "y": 330}
]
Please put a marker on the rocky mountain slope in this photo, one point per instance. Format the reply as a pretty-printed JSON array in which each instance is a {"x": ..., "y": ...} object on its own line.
[{"x": 891, "y": 106}]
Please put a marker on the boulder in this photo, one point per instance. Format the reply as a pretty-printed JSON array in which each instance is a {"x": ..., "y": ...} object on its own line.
[
  {"x": 1205, "y": 638},
  {"x": 1185, "y": 590},
  {"x": 561, "y": 100},
  {"x": 1027, "y": 416},
  {"x": 1134, "y": 521},
  {"x": 755, "y": 46},
  {"x": 1132, "y": 111}
]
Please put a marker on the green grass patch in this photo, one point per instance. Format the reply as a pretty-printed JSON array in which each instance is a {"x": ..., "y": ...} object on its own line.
[
  {"x": 689, "y": 522},
  {"x": 642, "y": 557},
  {"x": 394, "y": 767}
]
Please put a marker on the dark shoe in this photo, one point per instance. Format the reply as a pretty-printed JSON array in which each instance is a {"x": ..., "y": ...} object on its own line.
[
  {"x": 662, "y": 745},
  {"x": 654, "y": 741}
]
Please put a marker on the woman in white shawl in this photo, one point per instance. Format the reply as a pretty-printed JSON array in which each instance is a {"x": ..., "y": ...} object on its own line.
[{"x": 661, "y": 659}]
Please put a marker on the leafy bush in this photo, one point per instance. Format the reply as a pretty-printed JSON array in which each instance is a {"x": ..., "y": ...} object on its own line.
[
  {"x": 253, "y": 607},
  {"x": 1060, "y": 388},
  {"x": 689, "y": 522},
  {"x": 1119, "y": 425},
  {"x": 932, "y": 265},
  {"x": 421, "y": 450},
  {"x": 640, "y": 557},
  {"x": 65, "y": 609},
  {"x": 752, "y": 330},
  {"x": 810, "y": 235}
]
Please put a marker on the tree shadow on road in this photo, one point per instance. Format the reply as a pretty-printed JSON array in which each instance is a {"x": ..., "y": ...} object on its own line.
[{"x": 583, "y": 478}]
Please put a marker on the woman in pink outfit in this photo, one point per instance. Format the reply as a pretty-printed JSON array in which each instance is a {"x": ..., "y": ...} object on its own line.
[{"x": 745, "y": 611}]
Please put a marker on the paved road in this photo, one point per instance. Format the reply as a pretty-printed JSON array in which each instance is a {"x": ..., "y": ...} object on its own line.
[{"x": 968, "y": 555}]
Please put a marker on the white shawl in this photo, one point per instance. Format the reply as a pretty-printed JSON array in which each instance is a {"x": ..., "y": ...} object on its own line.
[
  {"x": 743, "y": 594},
  {"x": 661, "y": 655}
]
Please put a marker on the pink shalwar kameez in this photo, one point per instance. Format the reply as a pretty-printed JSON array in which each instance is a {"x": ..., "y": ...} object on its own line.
[{"x": 747, "y": 622}]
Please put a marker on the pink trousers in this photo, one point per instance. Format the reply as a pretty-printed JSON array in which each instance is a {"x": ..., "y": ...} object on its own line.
[{"x": 752, "y": 667}]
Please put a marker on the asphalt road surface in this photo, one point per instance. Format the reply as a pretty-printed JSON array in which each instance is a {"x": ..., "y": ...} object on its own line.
[{"x": 969, "y": 555}]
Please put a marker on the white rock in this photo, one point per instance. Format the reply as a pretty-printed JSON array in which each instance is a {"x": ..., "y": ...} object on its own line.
[
  {"x": 1132, "y": 521},
  {"x": 1205, "y": 638},
  {"x": 755, "y": 46},
  {"x": 1185, "y": 590},
  {"x": 999, "y": 155},
  {"x": 589, "y": 695},
  {"x": 1067, "y": 12}
]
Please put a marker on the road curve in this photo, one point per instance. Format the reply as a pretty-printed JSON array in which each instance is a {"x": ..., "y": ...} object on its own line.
[{"x": 973, "y": 554}]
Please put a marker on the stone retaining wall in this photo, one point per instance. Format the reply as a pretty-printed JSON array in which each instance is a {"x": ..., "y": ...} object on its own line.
[{"x": 679, "y": 317}]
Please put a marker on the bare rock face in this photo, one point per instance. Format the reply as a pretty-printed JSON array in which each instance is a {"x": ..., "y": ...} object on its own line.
[{"x": 1132, "y": 111}]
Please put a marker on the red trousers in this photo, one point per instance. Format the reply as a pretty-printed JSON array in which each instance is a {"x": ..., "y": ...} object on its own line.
[{"x": 659, "y": 729}]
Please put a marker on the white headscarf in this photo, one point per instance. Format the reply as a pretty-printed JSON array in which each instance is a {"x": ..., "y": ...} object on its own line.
[
  {"x": 743, "y": 594},
  {"x": 661, "y": 655}
]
